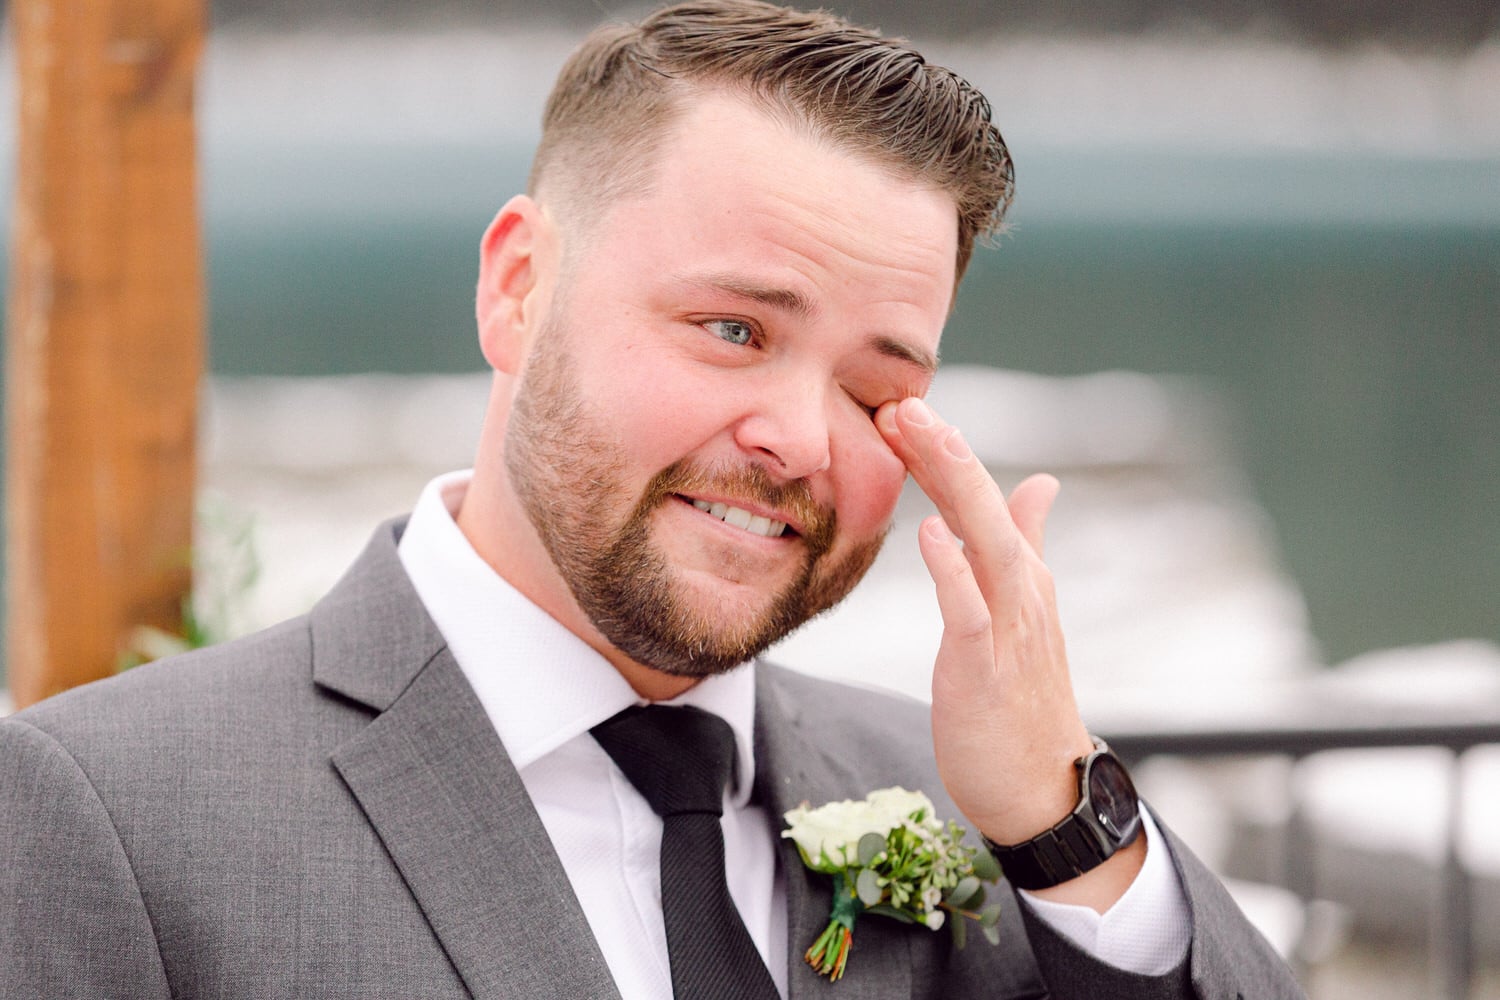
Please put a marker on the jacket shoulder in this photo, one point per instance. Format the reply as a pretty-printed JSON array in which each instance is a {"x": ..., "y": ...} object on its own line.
[{"x": 232, "y": 676}]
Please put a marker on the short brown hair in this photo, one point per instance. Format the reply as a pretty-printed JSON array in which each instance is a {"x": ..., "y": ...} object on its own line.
[{"x": 618, "y": 93}]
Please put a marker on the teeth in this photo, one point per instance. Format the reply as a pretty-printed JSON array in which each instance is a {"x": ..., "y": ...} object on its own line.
[{"x": 753, "y": 523}]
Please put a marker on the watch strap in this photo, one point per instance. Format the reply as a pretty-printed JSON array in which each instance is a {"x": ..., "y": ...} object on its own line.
[
  {"x": 1075, "y": 845},
  {"x": 1052, "y": 857}
]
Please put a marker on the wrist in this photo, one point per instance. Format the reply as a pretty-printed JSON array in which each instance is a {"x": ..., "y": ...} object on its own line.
[
  {"x": 1039, "y": 797},
  {"x": 1104, "y": 820},
  {"x": 1102, "y": 887}
]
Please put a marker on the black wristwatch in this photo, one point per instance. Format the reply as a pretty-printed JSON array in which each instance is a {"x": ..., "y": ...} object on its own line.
[{"x": 1107, "y": 818}]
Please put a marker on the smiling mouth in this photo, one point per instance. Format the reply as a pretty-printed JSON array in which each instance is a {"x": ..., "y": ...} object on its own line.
[{"x": 740, "y": 518}]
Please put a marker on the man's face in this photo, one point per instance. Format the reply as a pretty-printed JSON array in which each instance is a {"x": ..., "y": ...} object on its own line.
[{"x": 691, "y": 437}]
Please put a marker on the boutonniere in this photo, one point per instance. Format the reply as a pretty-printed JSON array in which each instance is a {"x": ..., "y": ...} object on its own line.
[{"x": 890, "y": 856}]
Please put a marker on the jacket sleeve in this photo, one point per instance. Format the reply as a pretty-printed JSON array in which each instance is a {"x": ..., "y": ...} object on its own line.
[
  {"x": 1227, "y": 960},
  {"x": 72, "y": 918}
]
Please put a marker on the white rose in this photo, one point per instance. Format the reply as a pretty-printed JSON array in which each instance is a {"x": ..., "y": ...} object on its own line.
[
  {"x": 833, "y": 830},
  {"x": 898, "y": 804}
]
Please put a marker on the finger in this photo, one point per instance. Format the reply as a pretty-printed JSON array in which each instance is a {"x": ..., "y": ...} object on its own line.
[
  {"x": 1030, "y": 504},
  {"x": 930, "y": 448},
  {"x": 968, "y": 499},
  {"x": 966, "y": 617},
  {"x": 885, "y": 423}
]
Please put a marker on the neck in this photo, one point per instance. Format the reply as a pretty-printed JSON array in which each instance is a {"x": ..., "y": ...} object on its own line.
[{"x": 653, "y": 685}]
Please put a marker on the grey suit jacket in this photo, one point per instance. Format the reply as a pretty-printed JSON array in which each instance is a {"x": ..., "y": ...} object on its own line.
[{"x": 324, "y": 810}]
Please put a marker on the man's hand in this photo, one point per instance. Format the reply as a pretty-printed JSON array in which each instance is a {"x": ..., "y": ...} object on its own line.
[{"x": 1006, "y": 727}]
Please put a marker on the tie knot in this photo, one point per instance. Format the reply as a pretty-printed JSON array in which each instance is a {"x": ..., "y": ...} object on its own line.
[{"x": 678, "y": 757}]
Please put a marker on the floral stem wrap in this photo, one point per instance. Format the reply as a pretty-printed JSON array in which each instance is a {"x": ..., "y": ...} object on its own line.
[{"x": 830, "y": 952}]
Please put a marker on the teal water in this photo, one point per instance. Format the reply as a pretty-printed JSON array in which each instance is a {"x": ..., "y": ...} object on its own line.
[
  {"x": 1359, "y": 363},
  {"x": 1345, "y": 309}
]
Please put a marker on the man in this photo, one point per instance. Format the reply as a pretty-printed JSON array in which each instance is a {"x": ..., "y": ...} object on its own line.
[{"x": 711, "y": 321}]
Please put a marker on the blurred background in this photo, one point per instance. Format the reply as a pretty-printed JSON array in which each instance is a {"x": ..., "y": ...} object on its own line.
[{"x": 1246, "y": 308}]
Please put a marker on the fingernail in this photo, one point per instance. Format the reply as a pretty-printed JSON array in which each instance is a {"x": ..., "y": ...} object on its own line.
[
  {"x": 937, "y": 529},
  {"x": 918, "y": 412},
  {"x": 956, "y": 445}
]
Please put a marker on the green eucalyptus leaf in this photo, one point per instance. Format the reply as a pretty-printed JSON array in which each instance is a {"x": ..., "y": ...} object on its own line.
[
  {"x": 884, "y": 910},
  {"x": 985, "y": 866},
  {"x": 960, "y": 931},
  {"x": 868, "y": 887},
  {"x": 991, "y": 933},
  {"x": 870, "y": 845},
  {"x": 963, "y": 892},
  {"x": 990, "y": 915}
]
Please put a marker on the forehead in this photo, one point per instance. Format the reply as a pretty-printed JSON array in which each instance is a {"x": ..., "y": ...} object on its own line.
[{"x": 735, "y": 186}]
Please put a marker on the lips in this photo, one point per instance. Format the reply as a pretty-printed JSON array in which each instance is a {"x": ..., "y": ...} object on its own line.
[
  {"x": 713, "y": 489},
  {"x": 740, "y": 518}
]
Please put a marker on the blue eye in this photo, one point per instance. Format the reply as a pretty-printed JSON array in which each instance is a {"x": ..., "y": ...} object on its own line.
[{"x": 732, "y": 331}]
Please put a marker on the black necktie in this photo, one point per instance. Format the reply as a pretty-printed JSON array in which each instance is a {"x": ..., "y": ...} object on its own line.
[{"x": 680, "y": 760}]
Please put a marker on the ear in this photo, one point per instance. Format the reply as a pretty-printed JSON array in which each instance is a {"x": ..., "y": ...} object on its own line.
[{"x": 515, "y": 281}]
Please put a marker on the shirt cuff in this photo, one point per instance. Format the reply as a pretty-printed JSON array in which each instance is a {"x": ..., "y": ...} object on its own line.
[{"x": 1147, "y": 931}]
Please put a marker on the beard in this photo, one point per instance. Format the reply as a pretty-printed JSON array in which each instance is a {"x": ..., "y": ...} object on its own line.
[{"x": 565, "y": 470}]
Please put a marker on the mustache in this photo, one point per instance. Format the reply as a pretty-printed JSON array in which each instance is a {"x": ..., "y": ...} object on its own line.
[{"x": 816, "y": 522}]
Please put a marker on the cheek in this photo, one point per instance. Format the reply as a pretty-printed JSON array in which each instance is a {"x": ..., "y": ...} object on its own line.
[
  {"x": 647, "y": 407},
  {"x": 655, "y": 434},
  {"x": 868, "y": 482},
  {"x": 669, "y": 418}
]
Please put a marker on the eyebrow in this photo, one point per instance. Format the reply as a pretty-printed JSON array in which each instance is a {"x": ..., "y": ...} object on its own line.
[
  {"x": 783, "y": 299},
  {"x": 790, "y": 300},
  {"x": 902, "y": 351}
]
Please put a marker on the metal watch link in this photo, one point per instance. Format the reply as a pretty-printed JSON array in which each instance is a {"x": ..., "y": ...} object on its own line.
[{"x": 1106, "y": 819}]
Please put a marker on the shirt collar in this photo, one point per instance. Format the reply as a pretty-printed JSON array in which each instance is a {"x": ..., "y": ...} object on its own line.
[{"x": 540, "y": 684}]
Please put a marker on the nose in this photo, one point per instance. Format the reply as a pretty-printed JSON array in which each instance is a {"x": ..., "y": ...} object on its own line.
[{"x": 787, "y": 425}]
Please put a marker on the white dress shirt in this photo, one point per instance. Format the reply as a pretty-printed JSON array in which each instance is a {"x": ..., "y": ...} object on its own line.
[{"x": 544, "y": 688}]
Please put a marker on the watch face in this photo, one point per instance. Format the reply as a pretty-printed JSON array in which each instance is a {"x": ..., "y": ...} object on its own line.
[{"x": 1112, "y": 794}]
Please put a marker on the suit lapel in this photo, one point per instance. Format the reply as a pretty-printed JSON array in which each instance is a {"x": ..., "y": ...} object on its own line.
[
  {"x": 435, "y": 782},
  {"x": 792, "y": 766}
]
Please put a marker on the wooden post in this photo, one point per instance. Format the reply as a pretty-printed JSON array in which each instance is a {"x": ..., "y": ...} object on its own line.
[{"x": 103, "y": 333}]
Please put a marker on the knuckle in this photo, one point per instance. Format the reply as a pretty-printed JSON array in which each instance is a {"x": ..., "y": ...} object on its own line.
[
  {"x": 1010, "y": 552},
  {"x": 980, "y": 488},
  {"x": 972, "y": 626},
  {"x": 960, "y": 572}
]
